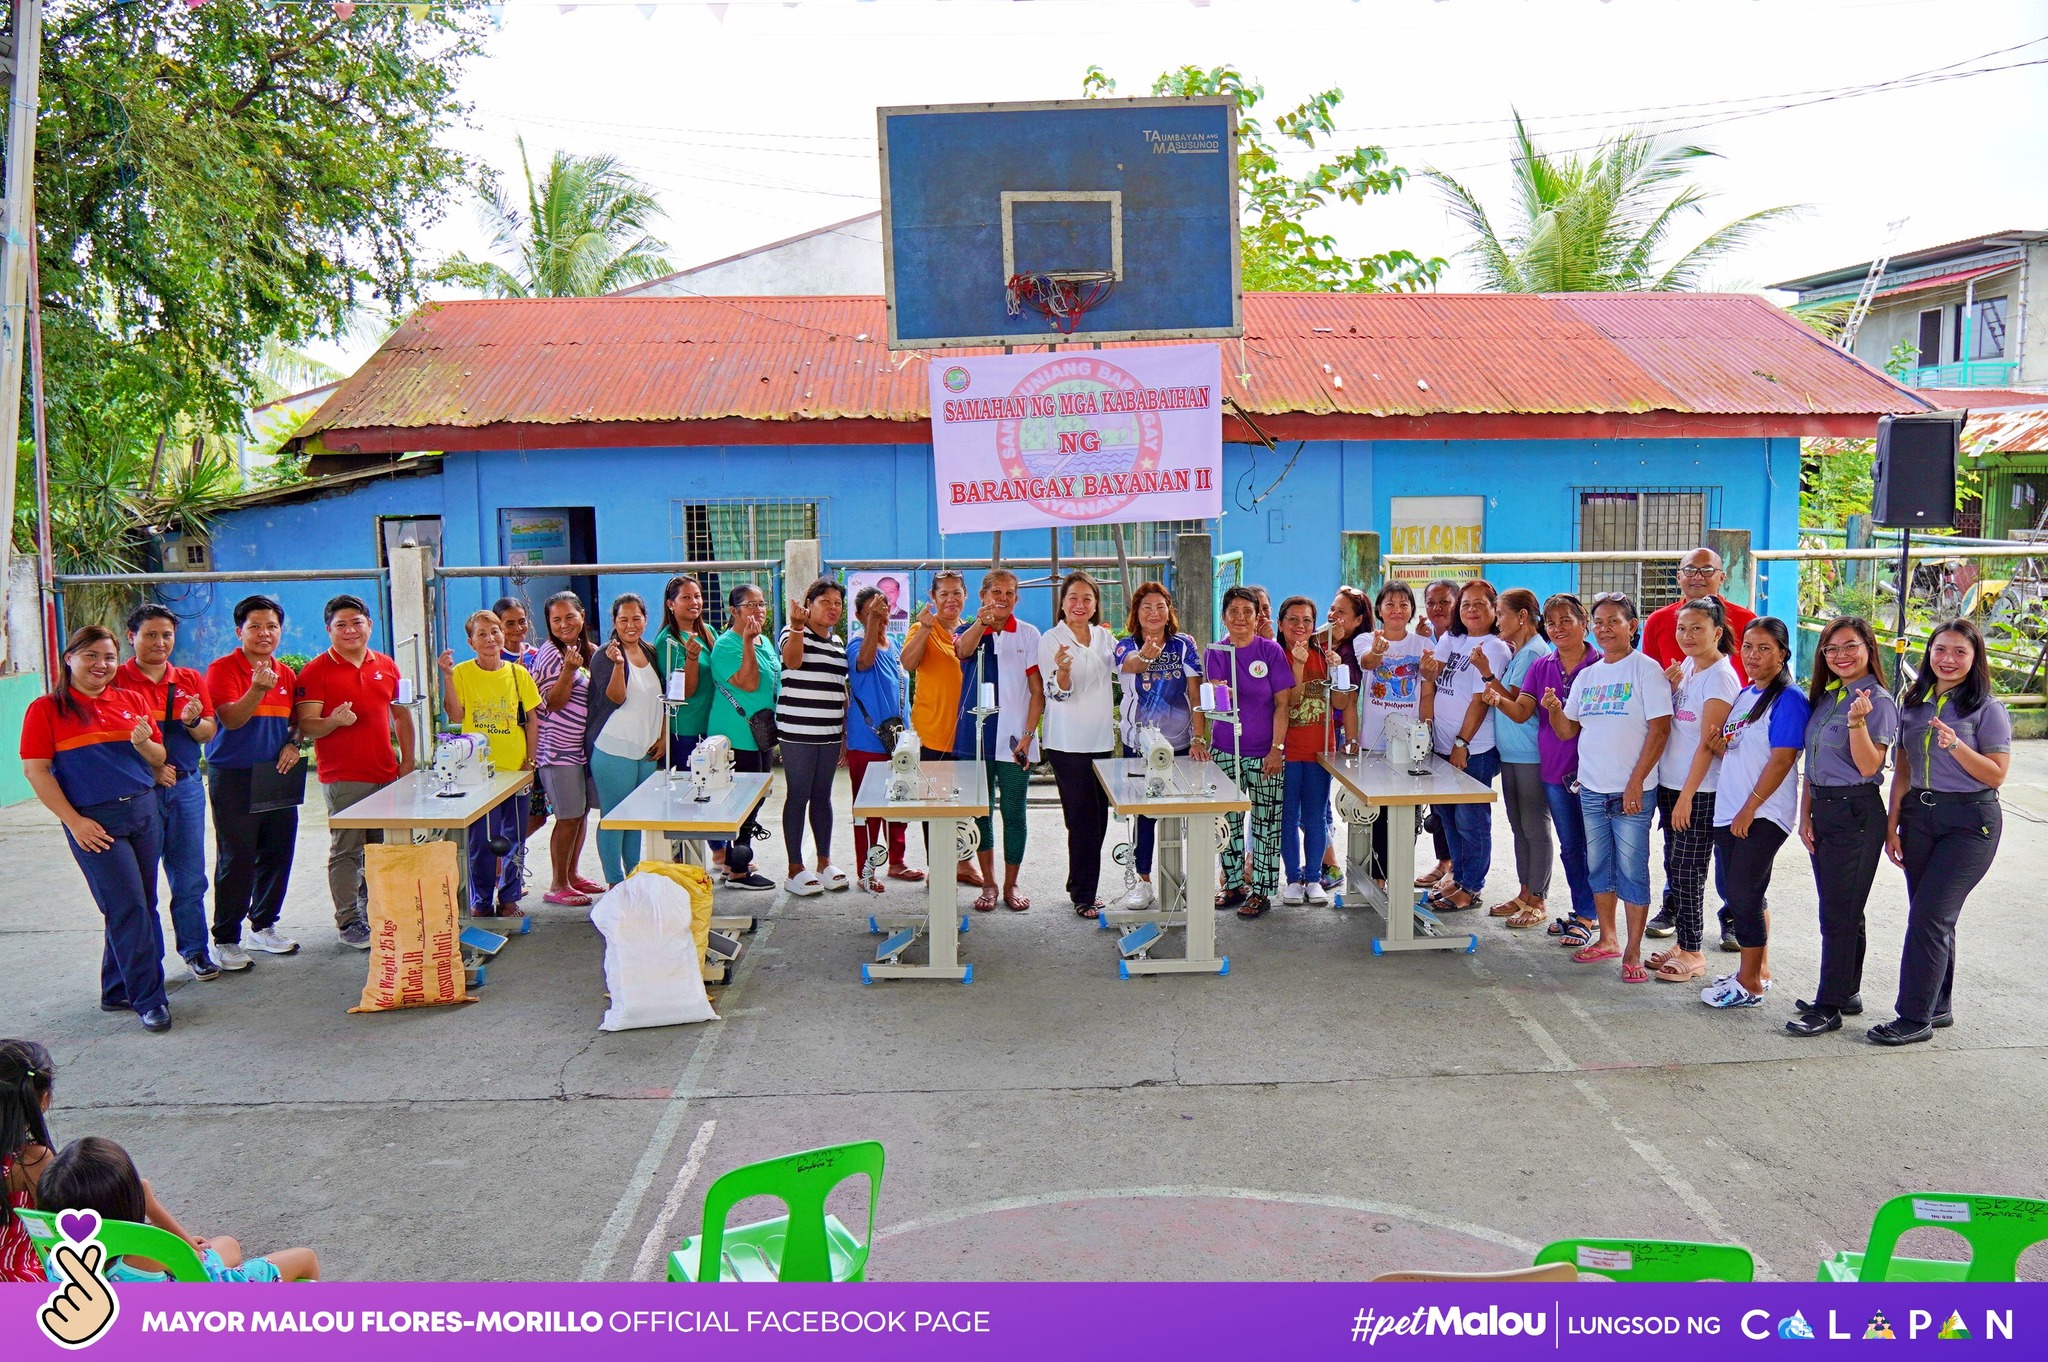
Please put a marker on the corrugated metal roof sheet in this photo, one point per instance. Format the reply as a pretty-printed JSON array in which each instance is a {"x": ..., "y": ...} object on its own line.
[
  {"x": 2023, "y": 431},
  {"x": 1949, "y": 280},
  {"x": 554, "y": 362}
]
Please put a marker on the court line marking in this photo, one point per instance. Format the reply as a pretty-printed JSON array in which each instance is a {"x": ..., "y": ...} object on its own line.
[
  {"x": 1339, "y": 1203},
  {"x": 663, "y": 1139},
  {"x": 651, "y": 1247}
]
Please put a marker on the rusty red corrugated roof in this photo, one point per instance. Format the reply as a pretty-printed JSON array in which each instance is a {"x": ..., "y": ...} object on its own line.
[
  {"x": 2023, "y": 430},
  {"x": 580, "y": 361}
]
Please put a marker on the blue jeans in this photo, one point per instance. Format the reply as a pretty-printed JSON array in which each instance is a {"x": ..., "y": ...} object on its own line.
[
  {"x": 1618, "y": 846},
  {"x": 1304, "y": 820},
  {"x": 183, "y": 807},
  {"x": 616, "y": 778},
  {"x": 123, "y": 883},
  {"x": 1469, "y": 827},
  {"x": 1570, "y": 823}
]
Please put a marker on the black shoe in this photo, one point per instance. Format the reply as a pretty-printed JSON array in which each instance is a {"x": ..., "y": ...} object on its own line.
[
  {"x": 1728, "y": 941},
  {"x": 1814, "y": 1023},
  {"x": 1900, "y": 1032},
  {"x": 202, "y": 967},
  {"x": 753, "y": 880},
  {"x": 115, "y": 1007},
  {"x": 1852, "y": 1008},
  {"x": 157, "y": 1019},
  {"x": 1943, "y": 1020},
  {"x": 1230, "y": 898},
  {"x": 1662, "y": 925}
]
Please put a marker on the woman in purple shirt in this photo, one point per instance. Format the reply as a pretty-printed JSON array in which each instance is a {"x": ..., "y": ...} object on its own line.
[
  {"x": 1565, "y": 624},
  {"x": 1261, "y": 681}
]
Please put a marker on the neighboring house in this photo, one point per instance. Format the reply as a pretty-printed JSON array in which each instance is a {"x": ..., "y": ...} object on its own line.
[
  {"x": 2007, "y": 442},
  {"x": 843, "y": 258},
  {"x": 647, "y": 430},
  {"x": 1975, "y": 312},
  {"x": 268, "y": 426}
]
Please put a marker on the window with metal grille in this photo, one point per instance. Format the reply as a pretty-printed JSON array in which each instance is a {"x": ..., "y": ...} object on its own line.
[
  {"x": 739, "y": 528},
  {"x": 1142, "y": 538},
  {"x": 1641, "y": 519}
]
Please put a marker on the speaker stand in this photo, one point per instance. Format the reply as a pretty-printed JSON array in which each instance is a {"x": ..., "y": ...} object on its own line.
[{"x": 1905, "y": 590}]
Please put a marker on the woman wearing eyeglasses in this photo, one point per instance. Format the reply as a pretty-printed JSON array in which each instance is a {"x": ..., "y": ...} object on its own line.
[
  {"x": 1955, "y": 738},
  {"x": 1842, "y": 816}
]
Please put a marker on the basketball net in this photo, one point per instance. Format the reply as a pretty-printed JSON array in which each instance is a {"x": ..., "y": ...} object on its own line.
[{"x": 1062, "y": 298}]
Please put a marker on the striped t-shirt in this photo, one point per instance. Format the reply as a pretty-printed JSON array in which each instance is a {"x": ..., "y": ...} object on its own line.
[
  {"x": 811, "y": 706},
  {"x": 561, "y": 730}
]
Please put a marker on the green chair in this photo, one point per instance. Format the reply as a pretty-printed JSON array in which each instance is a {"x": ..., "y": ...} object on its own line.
[
  {"x": 1652, "y": 1260},
  {"x": 1999, "y": 1229},
  {"x": 806, "y": 1245},
  {"x": 120, "y": 1238}
]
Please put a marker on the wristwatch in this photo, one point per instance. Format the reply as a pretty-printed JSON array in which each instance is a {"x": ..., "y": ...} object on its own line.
[{"x": 1460, "y": 742}]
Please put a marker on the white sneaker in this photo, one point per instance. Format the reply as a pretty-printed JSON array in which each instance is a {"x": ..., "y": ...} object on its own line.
[
  {"x": 1316, "y": 893},
  {"x": 1291, "y": 895},
  {"x": 804, "y": 885},
  {"x": 833, "y": 877},
  {"x": 1136, "y": 901},
  {"x": 272, "y": 942},
  {"x": 231, "y": 958}
]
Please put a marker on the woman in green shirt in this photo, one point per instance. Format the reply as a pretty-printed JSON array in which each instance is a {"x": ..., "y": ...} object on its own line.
[
  {"x": 746, "y": 672},
  {"x": 684, "y": 647}
]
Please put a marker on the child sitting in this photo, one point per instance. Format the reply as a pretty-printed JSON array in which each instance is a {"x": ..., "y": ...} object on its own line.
[
  {"x": 26, "y": 1074},
  {"x": 94, "y": 1174}
]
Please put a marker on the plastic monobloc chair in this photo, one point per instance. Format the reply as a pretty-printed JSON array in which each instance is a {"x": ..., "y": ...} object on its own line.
[
  {"x": 120, "y": 1238},
  {"x": 1653, "y": 1260},
  {"x": 1999, "y": 1229},
  {"x": 806, "y": 1245}
]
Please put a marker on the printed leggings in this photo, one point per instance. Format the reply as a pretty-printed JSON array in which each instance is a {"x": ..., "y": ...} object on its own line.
[{"x": 1266, "y": 794}]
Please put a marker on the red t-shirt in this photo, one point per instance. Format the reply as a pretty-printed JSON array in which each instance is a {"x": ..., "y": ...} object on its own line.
[
  {"x": 166, "y": 700},
  {"x": 1307, "y": 716},
  {"x": 89, "y": 751},
  {"x": 1660, "y": 635},
  {"x": 258, "y": 741},
  {"x": 362, "y": 750}
]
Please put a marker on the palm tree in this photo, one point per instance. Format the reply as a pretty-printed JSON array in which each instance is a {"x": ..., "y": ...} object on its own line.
[
  {"x": 583, "y": 232},
  {"x": 1596, "y": 224}
]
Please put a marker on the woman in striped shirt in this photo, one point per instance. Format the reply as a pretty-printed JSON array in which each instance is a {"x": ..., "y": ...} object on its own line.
[{"x": 810, "y": 721}]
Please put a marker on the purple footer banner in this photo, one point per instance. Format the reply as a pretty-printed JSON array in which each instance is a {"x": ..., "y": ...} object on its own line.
[{"x": 512, "y": 1321}]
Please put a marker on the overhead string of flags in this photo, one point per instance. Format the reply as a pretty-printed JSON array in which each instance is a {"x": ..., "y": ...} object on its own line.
[{"x": 498, "y": 9}]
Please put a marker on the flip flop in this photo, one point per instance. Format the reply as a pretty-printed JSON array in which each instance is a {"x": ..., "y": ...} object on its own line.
[
  {"x": 1016, "y": 903},
  {"x": 1589, "y": 955},
  {"x": 904, "y": 872},
  {"x": 986, "y": 903},
  {"x": 1634, "y": 974}
]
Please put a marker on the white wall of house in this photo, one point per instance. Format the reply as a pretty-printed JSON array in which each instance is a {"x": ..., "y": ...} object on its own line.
[
  {"x": 841, "y": 259},
  {"x": 2025, "y": 290}
]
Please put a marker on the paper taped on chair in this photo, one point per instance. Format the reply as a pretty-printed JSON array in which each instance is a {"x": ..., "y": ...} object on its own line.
[
  {"x": 414, "y": 958},
  {"x": 652, "y": 955}
]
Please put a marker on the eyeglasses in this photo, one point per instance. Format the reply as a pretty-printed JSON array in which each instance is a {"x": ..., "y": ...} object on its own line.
[
  {"x": 1697, "y": 571},
  {"x": 1842, "y": 649}
]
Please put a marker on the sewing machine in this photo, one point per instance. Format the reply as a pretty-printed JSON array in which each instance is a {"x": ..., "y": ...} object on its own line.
[
  {"x": 1155, "y": 759},
  {"x": 1407, "y": 744},
  {"x": 906, "y": 769},
  {"x": 711, "y": 766},
  {"x": 462, "y": 761}
]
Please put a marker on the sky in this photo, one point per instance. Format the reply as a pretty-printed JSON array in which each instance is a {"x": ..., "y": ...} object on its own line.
[{"x": 755, "y": 121}]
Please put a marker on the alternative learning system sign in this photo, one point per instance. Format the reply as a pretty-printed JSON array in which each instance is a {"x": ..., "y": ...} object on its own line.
[{"x": 1086, "y": 437}]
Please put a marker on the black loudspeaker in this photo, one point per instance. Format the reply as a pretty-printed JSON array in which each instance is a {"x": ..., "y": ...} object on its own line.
[{"x": 1915, "y": 471}]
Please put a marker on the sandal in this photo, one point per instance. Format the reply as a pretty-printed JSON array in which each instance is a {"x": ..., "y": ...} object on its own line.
[
  {"x": 1634, "y": 974},
  {"x": 986, "y": 902},
  {"x": 1671, "y": 972},
  {"x": 1088, "y": 910},
  {"x": 1015, "y": 902},
  {"x": 1579, "y": 933},
  {"x": 1429, "y": 879},
  {"x": 1229, "y": 898},
  {"x": 1255, "y": 905},
  {"x": 969, "y": 876},
  {"x": 1589, "y": 955},
  {"x": 1511, "y": 908},
  {"x": 904, "y": 872},
  {"x": 1530, "y": 915}
]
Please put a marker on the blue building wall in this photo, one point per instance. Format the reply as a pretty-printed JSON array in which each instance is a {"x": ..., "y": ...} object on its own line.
[{"x": 876, "y": 501}]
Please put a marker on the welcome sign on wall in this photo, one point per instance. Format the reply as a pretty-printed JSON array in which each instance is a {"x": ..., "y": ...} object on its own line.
[{"x": 1087, "y": 437}]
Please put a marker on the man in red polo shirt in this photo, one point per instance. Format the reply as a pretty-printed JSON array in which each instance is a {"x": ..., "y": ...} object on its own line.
[
  {"x": 1699, "y": 576},
  {"x": 346, "y": 703},
  {"x": 178, "y": 701}
]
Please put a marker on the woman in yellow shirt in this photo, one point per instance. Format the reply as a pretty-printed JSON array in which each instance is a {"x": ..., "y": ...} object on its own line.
[{"x": 495, "y": 696}]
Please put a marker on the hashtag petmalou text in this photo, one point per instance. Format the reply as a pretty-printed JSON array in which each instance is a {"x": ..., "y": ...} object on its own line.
[{"x": 1369, "y": 1326}]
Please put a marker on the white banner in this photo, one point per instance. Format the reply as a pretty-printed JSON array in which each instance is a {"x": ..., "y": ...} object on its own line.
[{"x": 1088, "y": 437}]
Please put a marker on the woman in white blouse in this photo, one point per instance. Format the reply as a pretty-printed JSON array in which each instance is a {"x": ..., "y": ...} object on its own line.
[{"x": 1077, "y": 658}]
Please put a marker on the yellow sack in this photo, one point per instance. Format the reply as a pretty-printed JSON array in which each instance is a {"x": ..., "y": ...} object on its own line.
[
  {"x": 415, "y": 957},
  {"x": 697, "y": 884}
]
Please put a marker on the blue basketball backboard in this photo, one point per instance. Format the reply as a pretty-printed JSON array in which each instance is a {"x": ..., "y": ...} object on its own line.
[{"x": 1138, "y": 197}]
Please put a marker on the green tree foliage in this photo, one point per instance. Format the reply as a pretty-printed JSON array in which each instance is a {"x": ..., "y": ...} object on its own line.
[
  {"x": 1598, "y": 223},
  {"x": 583, "y": 232},
  {"x": 215, "y": 186},
  {"x": 1280, "y": 250}
]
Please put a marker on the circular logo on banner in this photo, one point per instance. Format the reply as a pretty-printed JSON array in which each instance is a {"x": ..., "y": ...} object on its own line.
[
  {"x": 955, "y": 379},
  {"x": 1082, "y": 445},
  {"x": 1257, "y": 669}
]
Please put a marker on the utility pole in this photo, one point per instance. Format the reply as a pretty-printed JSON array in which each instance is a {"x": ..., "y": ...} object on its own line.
[{"x": 22, "y": 61}]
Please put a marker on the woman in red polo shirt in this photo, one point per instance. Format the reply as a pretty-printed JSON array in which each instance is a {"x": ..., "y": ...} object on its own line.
[{"x": 91, "y": 752}]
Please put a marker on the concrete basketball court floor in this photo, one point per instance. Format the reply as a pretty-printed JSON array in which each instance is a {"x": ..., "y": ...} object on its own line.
[{"x": 1318, "y": 1114}]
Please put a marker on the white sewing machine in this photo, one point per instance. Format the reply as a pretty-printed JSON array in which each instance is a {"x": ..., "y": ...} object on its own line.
[
  {"x": 1407, "y": 744},
  {"x": 1155, "y": 758},
  {"x": 906, "y": 769},
  {"x": 462, "y": 761},
  {"x": 711, "y": 766}
]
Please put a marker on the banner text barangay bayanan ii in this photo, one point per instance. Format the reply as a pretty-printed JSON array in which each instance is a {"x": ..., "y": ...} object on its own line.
[{"x": 1077, "y": 438}]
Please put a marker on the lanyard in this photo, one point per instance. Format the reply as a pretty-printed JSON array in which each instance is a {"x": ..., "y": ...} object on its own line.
[{"x": 1927, "y": 744}]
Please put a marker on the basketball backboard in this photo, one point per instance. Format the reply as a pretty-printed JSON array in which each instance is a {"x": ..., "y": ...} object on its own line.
[{"x": 1126, "y": 207}]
